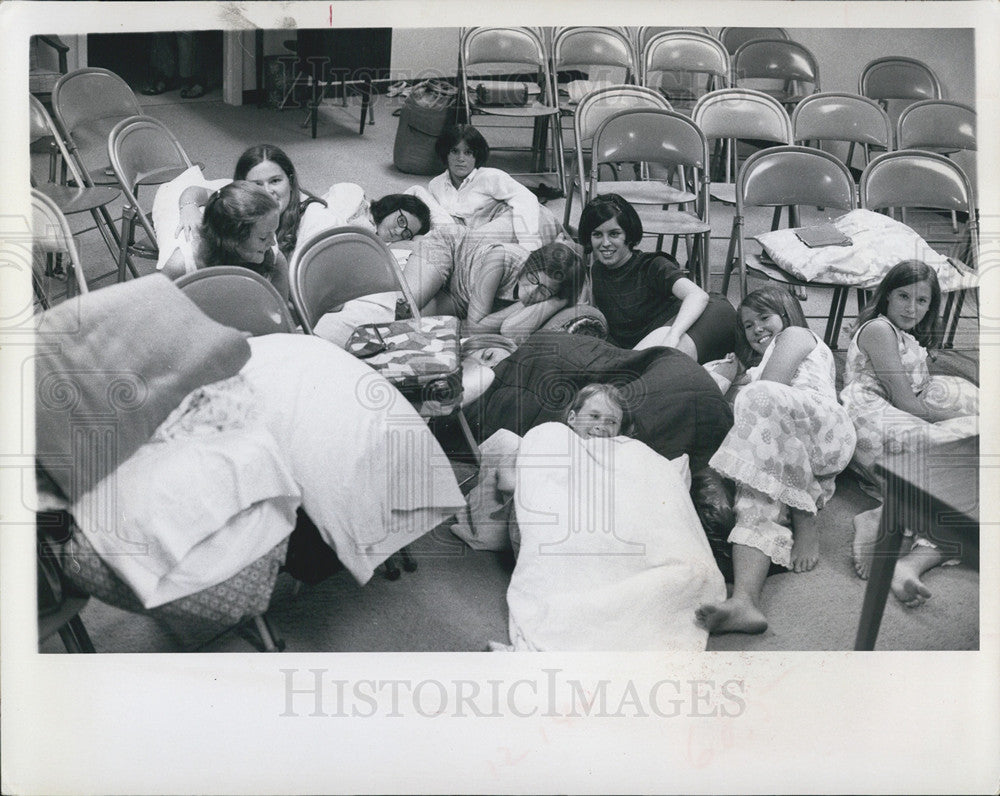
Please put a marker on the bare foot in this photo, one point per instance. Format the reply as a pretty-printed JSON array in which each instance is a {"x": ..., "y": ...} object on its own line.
[
  {"x": 805, "y": 541},
  {"x": 907, "y": 586},
  {"x": 732, "y": 616},
  {"x": 866, "y": 527}
]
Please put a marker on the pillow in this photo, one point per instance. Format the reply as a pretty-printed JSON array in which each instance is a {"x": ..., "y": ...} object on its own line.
[
  {"x": 878, "y": 243},
  {"x": 111, "y": 365},
  {"x": 346, "y": 206},
  {"x": 166, "y": 212}
]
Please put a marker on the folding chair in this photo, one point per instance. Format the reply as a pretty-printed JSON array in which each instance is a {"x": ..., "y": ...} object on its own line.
[
  {"x": 838, "y": 116},
  {"x": 790, "y": 176},
  {"x": 911, "y": 179},
  {"x": 764, "y": 62},
  {"x": 88, "y": 103},
  {"x": 238, "y": 297},
  {"x": 729, "y": 115},
  {"x": 673, "y": 60},
  {"x": 671, "y": 140},
  {"x": 51, "y": 234},
  {"x": 642, "y": 35},
  {"x": 519, "y": 51},
  {"x": 143, "y": 152},
  {"x": 593, "y": 109},
  {"x": 895, "y": 82},
  {"x": 70, "y": 195}
]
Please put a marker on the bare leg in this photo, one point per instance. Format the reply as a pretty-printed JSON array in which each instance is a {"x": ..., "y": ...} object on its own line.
[
  {"x": 906, "y": 583},
  {"x": 805, "y": 540},
  {"x": 866, "y": 529},
  {"x": 740, "y": 613}
]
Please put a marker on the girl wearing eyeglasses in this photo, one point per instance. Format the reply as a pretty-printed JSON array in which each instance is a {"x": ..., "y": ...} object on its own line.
[
  {"x": 493, "y": 287},
  {"x": 646, "y": 297}
]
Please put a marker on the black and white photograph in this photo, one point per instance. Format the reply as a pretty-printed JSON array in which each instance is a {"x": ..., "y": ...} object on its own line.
[{"x": 459, "y": 406}]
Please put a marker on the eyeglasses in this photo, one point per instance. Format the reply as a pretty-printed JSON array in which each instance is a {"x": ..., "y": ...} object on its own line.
[
  {"x": 403, "y": 227},
  {"x": 532, "y": 279}
]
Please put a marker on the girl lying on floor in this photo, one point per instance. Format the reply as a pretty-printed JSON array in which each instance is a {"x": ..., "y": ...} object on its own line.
[
  {"x": 612, "y": 555},
  {"x": 790, "y": 439},
  {"x": 474, "y": 195},
  {"x": 178, "y": 207},
  {"x": 895, "y": 402},
  {"x": 238, "y": 228}
]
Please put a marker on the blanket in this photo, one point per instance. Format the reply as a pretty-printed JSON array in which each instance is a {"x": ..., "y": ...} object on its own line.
[
  {"x": 373, "y": 477},
  {"x": 112, "y": 365},
  {"x": 675, "y": 405},
  {"x": 612, "y": 554}
]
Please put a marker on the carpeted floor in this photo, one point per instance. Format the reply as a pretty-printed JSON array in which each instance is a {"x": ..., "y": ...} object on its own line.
[{"x": 456, "y": 599}]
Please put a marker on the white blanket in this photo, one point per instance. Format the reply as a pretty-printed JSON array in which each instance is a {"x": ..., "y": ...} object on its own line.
[
  {"x": 373, "y": 478},
  {"x": 612, "y": 556}
]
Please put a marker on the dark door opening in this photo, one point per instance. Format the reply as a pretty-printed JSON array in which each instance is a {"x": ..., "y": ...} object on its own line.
[{"x": 129, "y": 56}]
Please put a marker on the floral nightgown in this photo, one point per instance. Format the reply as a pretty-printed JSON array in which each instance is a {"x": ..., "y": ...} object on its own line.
[
  {"x": 786, "y": 447},
  {"x": 878, "y": 422}
]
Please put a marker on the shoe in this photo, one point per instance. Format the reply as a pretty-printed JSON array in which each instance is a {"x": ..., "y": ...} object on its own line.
[
  {"x": 396, "y": 88},
  {"x": 193, "y": 91},
  {"x": 158, "y": 85}
]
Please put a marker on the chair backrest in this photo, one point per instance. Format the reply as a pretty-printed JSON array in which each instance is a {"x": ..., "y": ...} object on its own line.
[
  {"x": 793, "y": 176},
  {"x": 646, "y": 32},
  {"x": 43, "y": 127},
  {"x": 910, "y": 178},
  {"x": 742, "y": 113},
  {"x": 587, "y": 47},
  {"x": 601, "y": 103},
  {"x": 838, "y": 116},
  {"x": 649, "y": 135},
  {"x": 50, "y": 232},
  {"x": 340, "y": 264},
  {"x": 238, "y": 297},
  {"x": 913, "y": 178},
  {"x": 775, "y": 59},
  {"x": 896, "y": 77},
  {"x": 88, "y": 103},
  {"x": 685, "y": 51},
  {"x": 142, "y": 149},
  {"x": 937, "y": 124},
  {"x": 733, "y": 38}
]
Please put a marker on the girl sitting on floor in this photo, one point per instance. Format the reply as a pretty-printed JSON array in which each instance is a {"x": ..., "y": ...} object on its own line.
[
  {"x": 647, "y": 298},
  {"x": 474, "y": 195},
  {"x": 892, "y": 399},
  {"x": 790, "y": 439},
  {"x": 239, "y": 227}
]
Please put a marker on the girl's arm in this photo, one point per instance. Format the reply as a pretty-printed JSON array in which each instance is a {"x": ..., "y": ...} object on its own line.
[
  {"x": 791, "y": 346},
  {"x": 279, "y": 277},
  {"x": 525, "y": 319},
  {"x": 693, "y": 303},
  {"x": 523, "y": 204},
  {"x": 192, "y": 199},
  {"x": 175, "y": 266},
  {"x": 485, "y": 284},
  {"x": 878, "y": 340}
]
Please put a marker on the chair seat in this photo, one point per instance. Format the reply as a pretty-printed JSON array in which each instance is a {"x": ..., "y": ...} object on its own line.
[
  {"x": 671, "y": 222},
  {"x": 723, "y": 191},
  {"x": 71, "y": 200},
  {"x": 531, "y": 109},
  {"x": 646, "y": 192}
]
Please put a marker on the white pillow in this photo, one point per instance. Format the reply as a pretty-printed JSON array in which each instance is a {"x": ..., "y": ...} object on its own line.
[{"x": 166, "y": 211}]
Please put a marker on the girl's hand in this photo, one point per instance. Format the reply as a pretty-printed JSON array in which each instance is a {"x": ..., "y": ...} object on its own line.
[{"x": 189, "y": 221}]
